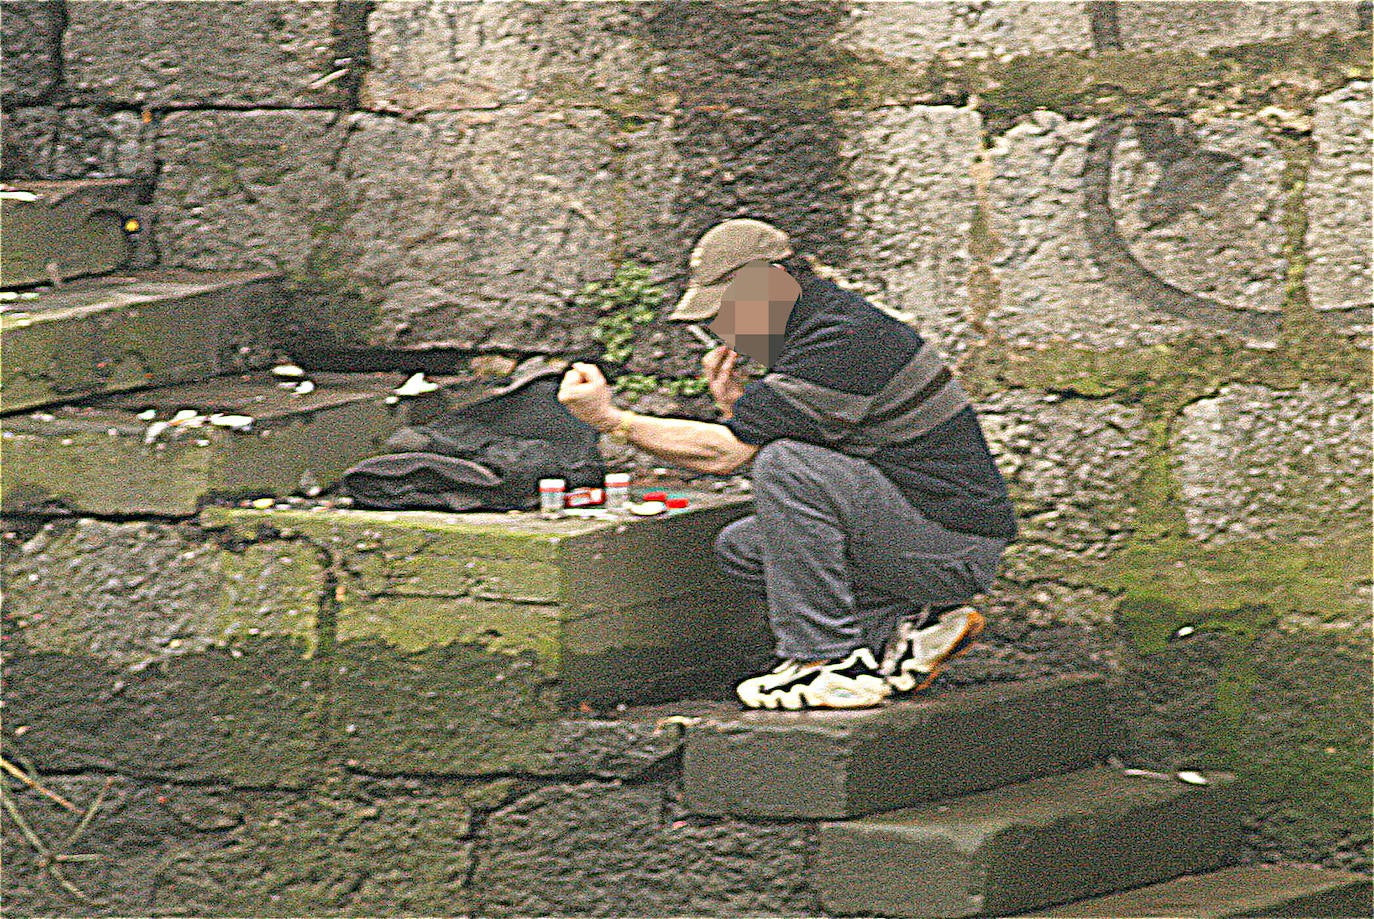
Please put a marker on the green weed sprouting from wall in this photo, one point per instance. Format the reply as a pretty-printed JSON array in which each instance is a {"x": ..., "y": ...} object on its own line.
[{"x": 627, "y": 301}]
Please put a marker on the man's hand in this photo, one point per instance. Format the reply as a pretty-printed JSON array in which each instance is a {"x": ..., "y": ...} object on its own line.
[
  {"x": 725, "y": 380},
  {"x": 587, "y": 395}
]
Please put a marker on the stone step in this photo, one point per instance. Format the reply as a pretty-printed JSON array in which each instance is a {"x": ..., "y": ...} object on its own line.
[
  {"x": 109, "y": 334},
  {"x": 102, "y": 458},
  {"x": 68, "y": 229},
  {"x": 1240, "y": 892},
  {"x": 835, "y": 764},
  {"x": 261, "y": 643},
  {"x": 1026, "y": 846}
]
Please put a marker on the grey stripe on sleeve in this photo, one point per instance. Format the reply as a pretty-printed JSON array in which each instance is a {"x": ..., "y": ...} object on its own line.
[
  {"x": 942, "y": 405},
  {"x": 824, "y": 404},
  {"x": 923, "y": 367}
]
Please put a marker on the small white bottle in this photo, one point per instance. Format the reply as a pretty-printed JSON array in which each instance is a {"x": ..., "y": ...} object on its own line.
[
  {"x": 551, "y": 498},
  {"x": 617, "y": 491}
]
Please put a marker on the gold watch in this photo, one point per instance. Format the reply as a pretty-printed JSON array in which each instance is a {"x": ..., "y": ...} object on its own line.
[{"x": 620, "y": 434}]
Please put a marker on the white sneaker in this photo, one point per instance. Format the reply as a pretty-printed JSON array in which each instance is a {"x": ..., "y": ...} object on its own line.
[
  {"x": 914, "y": 657},
  {"x": 851, "y": 683}
]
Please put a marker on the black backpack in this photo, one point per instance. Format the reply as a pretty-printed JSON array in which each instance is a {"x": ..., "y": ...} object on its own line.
[{"x": 489, "y": 455}]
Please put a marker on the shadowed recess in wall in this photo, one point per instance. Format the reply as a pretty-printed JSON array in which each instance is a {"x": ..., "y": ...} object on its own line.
[{"x": 755, "y": 128}]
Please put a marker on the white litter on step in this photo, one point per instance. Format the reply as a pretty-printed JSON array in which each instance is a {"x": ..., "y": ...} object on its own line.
[
  {"x": 303, "y": 387},
  {"x": 593, "y": 513},
  {"x": 415, "y": 386},
  {"x": 1192, "y": 778},
  {"x": 154, "y": 429},
  {"x": 1149, "y": 774},
  {"x": 681, "y": 722},
  {"x": 646, "y": 508},
  {"x": 187, "y": 418},
  {"x": 234, "y": 422},
  {"x": 287, "y": 370},
  {"x": 149, "y": 415},
  {"x": 1184, "y": 631}
]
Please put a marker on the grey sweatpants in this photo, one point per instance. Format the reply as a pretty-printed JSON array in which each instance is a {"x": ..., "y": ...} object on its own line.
[{"x": 840, "y": 554}]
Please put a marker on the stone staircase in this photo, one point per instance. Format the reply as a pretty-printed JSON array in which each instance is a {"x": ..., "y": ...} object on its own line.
[
  {"x": 994, "y": 801},
  {"x": 429, "y": 644}
]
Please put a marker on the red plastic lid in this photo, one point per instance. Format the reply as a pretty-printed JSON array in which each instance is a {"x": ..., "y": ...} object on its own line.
[
  {"x": 675, "y": 503},
  {"x": 656, "y": 496}
]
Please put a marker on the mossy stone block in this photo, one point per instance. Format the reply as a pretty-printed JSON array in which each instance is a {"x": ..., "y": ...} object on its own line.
[
  {"x": 104, "y": 335},
  {"x": 104, "y": 458},
  {"x": 143, "y": 649}
]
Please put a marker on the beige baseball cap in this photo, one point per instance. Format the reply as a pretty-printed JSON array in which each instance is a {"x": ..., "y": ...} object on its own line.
[{"x": 721, "y": 250}]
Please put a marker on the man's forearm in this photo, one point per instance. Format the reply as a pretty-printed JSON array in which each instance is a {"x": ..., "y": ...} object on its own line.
[{"x": 696, "y": 445}]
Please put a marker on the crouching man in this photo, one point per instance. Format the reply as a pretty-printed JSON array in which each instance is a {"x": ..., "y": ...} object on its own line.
[{"x": 879, "y": 510}]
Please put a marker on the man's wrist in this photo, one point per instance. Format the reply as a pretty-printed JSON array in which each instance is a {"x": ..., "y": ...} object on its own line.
[{"x": 611, "y": 421}]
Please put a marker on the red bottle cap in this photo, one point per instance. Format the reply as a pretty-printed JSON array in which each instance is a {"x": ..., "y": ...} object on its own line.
[
  {"x": 655, "y": 496},
  {"x": 675, "y": 503}
]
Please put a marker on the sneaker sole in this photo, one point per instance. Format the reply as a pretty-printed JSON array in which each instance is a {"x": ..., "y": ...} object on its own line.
[
  {"x": 803, "y": 697},
  {"x": 972, "y": 630}
]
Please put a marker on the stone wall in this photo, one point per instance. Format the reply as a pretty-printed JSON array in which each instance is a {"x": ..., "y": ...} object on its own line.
[{"x": 1139, "y": 229}]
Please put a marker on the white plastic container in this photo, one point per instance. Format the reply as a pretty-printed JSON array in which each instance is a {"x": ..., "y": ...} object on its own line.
[
  {"x": 551, "y": 498},
  {"x": 617, "y": 490}
]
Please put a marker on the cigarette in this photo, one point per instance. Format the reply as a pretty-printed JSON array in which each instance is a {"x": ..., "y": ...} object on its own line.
[{"x": 702, "y": 335}]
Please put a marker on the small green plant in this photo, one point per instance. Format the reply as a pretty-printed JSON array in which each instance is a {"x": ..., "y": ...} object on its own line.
[
  {"x": 629, "y": 299},
  {"x": 634, "y": 385}
]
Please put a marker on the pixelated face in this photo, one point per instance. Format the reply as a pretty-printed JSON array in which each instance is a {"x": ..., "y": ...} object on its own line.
[{"x": 754, "y": 310}]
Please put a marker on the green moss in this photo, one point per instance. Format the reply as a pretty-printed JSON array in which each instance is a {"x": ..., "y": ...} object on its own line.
[
  {"x": 443, "y": 534},
  {"x": 414, "y": 624},
  {"x": 1241, "y": 588},
  {"x": 1290, "y": 72},
  {"x": 628, "y": 110},
  {"x": 1295, "y": 726},
  {"x": 269, "y": 590}
]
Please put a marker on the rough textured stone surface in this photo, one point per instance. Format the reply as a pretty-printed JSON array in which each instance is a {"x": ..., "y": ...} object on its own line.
[
  {"x": 911, "y": 176},
  {"x": 1026, "y": 846},
  {"x": 1259, "y": 890},
  {"x": 404, "y": 854},
  {"x": 845, "y": 764},
  {"x": 921, "y": 31},
  {"x": 754, "y": 124},
  {"x": 1338, "y": 194},
  {"x": 25, "y": 133},
  {"x": 1171, "y": 697},
  {"x": 29, "y": 41},
  {"x": 1200, "y": 26},
  {"x": 104, "y": 335},
  {"x": 1042, "y": 629},
  {"x": 246, "y": 189},
  {"x": 446, "y": 55},
  {"x": 1114, "y": 233},
  {"x": 358, "y": 848},
  {"x": 1304, "y": 747},
  {"x": 480, "y": 627},
  {"x": 477, "y": 230},
  {"x": 138, "y": 647},
  {"x": 224, "y": 53},
  {"x": 1256, "y": 462},
  {"x": 1069, "y": 465},
  {"x": 76, "y": 143},
  {"x": 596, "y": 849}
]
